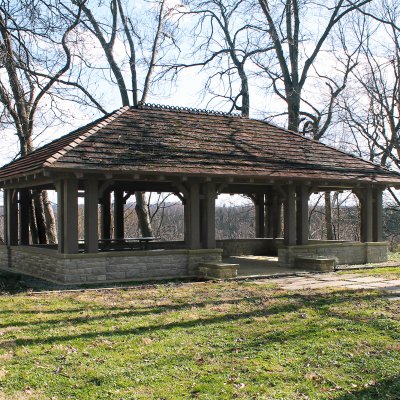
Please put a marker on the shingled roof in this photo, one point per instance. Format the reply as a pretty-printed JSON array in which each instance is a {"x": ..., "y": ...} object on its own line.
[{"x": 183, "y": 142}]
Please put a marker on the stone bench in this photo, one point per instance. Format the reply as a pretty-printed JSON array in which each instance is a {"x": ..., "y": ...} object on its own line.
[
  {"x": 323, "y": 264},
  {"x": 218, "y": 270}
]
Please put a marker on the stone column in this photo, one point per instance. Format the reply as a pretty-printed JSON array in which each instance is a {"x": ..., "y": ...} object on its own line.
[
  {"x": 302, "y": 215},
  {"x": 70, "y": 216},
  {"x": 12, "y": 217},
  {"x": 290, "y": 216},
  {"x": 24, "y": 198},
  {"x": 91, "y": 216},
  {"x": 105, "y": 216},
  {"x": 377, "y": 234},
  {"x": 366, "y": 215},
  {"x": 259, "y": 208},
  {"x": 119, "y": 229},
  {"x": 208, "y": 216},
  {"x": 192, "y": 216}
]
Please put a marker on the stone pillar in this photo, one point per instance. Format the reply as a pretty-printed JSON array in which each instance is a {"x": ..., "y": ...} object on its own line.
[
  {"x": 12, "y": 217},
  {"x": 259, "y": 207},
  {"x": 70, "y": 216},
  {"x": 208, "y": 216},
  {"x": 192, "y": 217},
  {"x": 91, "y": 216},
  {"x": 105, "y": 216},
  {"x": 302, "y": 215},
  {"x": 119, "y": 229},
  {"x": 377, "y": 234},
  {"x": 290, "y": 216},
  {"x": 24, "y": 198},
  {"x": 366, "y": 215}
]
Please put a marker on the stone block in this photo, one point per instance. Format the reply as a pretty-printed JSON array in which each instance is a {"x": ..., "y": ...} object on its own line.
[
  {"x": 218, "y": 270},
  {"x": 315, "y": 263}
]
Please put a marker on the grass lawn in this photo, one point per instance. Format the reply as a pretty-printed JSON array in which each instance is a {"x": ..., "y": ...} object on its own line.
[{"x": 200, "y": 341}]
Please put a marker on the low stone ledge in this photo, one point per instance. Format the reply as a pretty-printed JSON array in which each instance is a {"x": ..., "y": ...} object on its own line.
[
  {"x": 322, "y": 264},
  {"x": 218, "y": 270}
]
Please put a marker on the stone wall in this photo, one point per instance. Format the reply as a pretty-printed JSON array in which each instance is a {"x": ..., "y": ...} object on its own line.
[
  {"x": 343, "y": 252},
  {"x": 104, "y": 267}
]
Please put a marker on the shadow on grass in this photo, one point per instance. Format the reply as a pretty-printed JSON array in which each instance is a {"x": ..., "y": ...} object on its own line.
[
  {"x": 386, "y": 389},
  {"x": 318, "y": 303}
]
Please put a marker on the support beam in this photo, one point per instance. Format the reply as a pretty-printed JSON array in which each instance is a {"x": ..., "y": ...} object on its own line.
[
  {"x": 377, "y": 234},
  {"x": 276, "y": 211},
  {"x": 12, "y": 217},
  {"x": 302, "y": 215},
  {"x": 24, "y": 198},
  {"x": 290, "y": 217},
  {"x": 192, "y": 216},
  {"x": 60, "y": 215},
  {"x": 91, "y": 216},
  {"x": 208, "y": 216},
  {"x": 5, "y": 220},
  {"x": 105, "y": 210},
  {"x": 70, "y": 216},
  {"x": 366, "y": 215},
  {"x": 119, "y": 229},
  {"x": 259, "y": 208}
]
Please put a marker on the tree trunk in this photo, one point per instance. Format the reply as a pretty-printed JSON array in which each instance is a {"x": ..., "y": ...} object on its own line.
[
  {"x": 293, "y": 103},
  {"x": 32, "y": 223},
  {"x": 143, "y": 215},
  {"x": 51, "y": 229},
  {"x": 328, "y": 216}
]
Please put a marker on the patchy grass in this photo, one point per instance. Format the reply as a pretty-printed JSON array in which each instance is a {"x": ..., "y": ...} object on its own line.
[{"x": 199, "y": 341}]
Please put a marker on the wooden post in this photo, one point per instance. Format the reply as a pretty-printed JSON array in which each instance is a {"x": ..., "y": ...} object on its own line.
[
  {"x": 119, "y": 229},
  {"x": 208, "y": 216},
  {"x": 192, "y": 217},
  {"x": 259, "y": 208},
  {"x": 105, "y": 216},
  {"x": 5, "y": 222},
  {"x": 377, "y": 216},
  {"x": 60, "y": 215},
  {"x": 24, "y": 199},
  {"x": 12, "y": 217},
  {"x": 302, "y": 215},
  {"x": 290, "y": 217},
  {"x": 366, "y": 215},
  {"x": 70, "y": 216},
  {"x": 276, "y": 215},
  {"x": 91, "y": 216}
]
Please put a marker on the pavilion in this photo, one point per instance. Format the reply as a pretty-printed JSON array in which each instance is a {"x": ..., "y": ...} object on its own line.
[{"x": 197, "y": 155}]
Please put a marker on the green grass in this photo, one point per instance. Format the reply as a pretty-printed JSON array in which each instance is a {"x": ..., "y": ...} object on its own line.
[{"x": 200, "y": 341}]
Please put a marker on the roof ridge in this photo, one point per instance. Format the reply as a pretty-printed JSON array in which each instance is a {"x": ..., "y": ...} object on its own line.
[
  {"x": 191, "y": 110},
  {"x": 104, "y": 122}
]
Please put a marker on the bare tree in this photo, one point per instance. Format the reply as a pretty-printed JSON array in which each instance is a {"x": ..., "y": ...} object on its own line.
[
  {"x": 225, "y": 36},
  {"x": 113, "y": 25},
  {"x": 288, "y": 29},
  {"x": 27, "y": 80}
]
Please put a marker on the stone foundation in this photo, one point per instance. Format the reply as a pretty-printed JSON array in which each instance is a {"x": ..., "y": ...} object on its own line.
[
  {"x": 113, "y": 266},
  {"x": 342, "y": 252}
]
